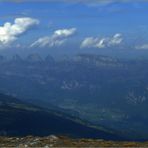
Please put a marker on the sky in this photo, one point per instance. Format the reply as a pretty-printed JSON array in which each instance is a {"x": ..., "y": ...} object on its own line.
[{"x": 69, "y": 24}]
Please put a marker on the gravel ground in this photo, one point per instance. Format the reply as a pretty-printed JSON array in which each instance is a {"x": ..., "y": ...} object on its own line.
[{"x": 61, "y": 141}]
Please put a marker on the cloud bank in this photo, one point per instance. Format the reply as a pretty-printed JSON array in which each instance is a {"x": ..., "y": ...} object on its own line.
[
  {"x": 58, "y": 38},
  {"x": 10, "y": 32},
  {"x": 105, "y": 42}
]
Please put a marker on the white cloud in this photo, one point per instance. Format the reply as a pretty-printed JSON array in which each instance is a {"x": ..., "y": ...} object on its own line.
[
  {"x": 89, "y": 42},
  {"x": 142, "y": 47},
  {"x": 102, "y": 43},
  {"x": 58, "y": 38},
  {"x": 116, "y": 39},
  {"x": 10, "y": 32},
  {"x": 64, "y": 33},
  {"x": 92, "y": 42}
]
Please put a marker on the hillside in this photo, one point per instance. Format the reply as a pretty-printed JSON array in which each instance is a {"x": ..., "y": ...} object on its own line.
[{"x": 21, "y": 119}]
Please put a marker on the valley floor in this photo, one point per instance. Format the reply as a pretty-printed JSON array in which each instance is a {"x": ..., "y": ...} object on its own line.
[{"x": 61, "y": 141}]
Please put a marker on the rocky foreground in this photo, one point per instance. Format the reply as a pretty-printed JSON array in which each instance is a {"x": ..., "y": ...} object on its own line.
[{"x": 61, "y": 141}]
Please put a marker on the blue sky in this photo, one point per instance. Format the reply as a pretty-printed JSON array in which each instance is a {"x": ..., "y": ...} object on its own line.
[{"x": 98, "y": 25}]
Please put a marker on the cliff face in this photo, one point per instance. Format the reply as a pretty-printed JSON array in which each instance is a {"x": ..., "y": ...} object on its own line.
[{"x": 60, "y": 141}]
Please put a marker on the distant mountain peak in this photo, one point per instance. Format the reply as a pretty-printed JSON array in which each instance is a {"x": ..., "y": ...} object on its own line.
[
  {"x": 16, "y": 57},
  {"x": 34, "y": 58},
  {"x": 2, "y": 58},
  {"x": 49, "y": 58}
]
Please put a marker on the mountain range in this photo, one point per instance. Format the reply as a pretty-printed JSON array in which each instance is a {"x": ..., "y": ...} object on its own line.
[{"x": 98, "y": 89}]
